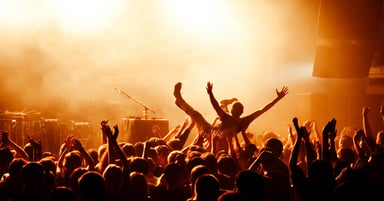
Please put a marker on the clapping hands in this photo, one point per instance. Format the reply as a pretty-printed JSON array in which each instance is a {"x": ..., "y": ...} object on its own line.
[
  {"x": 112, "y": 136},
  {"x": 330, "y": 129},
  {"x": 71, "y": 142}
]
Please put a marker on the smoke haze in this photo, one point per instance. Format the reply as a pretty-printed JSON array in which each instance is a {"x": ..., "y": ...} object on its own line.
[{"x": 53, "y": 63}]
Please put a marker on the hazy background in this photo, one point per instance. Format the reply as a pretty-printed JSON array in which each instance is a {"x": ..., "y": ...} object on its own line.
[{"x": 65, "y": 58}]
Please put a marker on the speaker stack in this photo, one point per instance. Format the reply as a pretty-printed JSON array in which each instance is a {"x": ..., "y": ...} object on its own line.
[
  {"x": 139, "y": 130},
  {"x": 348, "y": 34}
]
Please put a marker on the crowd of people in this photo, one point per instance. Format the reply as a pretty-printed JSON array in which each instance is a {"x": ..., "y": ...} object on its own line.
[{"x": 221, "y": 164}]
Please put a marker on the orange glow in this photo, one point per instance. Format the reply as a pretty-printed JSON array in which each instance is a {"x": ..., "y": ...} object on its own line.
[
  {"x": 200, "y": 17},
  {"x": 7, "y": 10},
  {"x": 74, "y": 53},
  {"x": 20, "y": 14},
  {"x": 83, "y": 15}
]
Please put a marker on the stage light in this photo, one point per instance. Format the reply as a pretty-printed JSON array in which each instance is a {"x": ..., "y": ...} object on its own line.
[
  {"x": 83, "y": 15},
  {"x": 207, "y": 18},
  {"x": 20, "y": 13},
  {"x": 7, "y": 7}
]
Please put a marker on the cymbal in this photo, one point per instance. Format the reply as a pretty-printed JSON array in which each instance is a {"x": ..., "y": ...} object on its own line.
[{"x": 15, "y": 113}]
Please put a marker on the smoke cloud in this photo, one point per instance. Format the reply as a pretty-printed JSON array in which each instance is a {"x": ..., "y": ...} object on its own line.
[{"x": 70, "y": 70}]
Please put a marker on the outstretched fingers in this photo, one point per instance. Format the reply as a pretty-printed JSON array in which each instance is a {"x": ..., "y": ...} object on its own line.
[
  {"x": 284, "y": 91},
  {"x": 209, "y": 87}
]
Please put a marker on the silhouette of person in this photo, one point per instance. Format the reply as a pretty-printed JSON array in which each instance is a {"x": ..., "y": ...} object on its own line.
[{"x": 231, "y": 124}]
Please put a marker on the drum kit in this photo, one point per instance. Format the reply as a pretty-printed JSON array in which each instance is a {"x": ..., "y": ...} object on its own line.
[
  {"x": 24, "y": 125},
  {"x": 51, "y": 131}
]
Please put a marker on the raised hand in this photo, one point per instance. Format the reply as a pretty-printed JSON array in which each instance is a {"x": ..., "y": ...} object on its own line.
[
  {"x": 314, "y": 125},
  {"x": 308, "y": 125},
  {"x": 290, "y": 134},
  {"x": 297, "y": 127},
  {"x": 68, "y": 142},
  {"x": 305, "y": 133},
  {"x": 282, "y": 93},
  {"x": 359, "y": 134},
  {"x": 332, "y": 134},
  {"x": 366, "y": 111},
  {"x": 76, "y": 143},
  {"x": 34, "y": 143},
  {"x": 330, "y": 127},
  {"x": 105, "y": 128},
  {"x": 177, "y": 90},
  {"x": 209, "y": 87},
  {"x": 36, "y": 147},
  {"x": 116, "y": 133},
  {"x": 104, "y": 122},
  {"x": 295, "y": 121}
]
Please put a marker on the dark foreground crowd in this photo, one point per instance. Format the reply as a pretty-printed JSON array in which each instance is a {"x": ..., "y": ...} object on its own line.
[{"x": 315, "y": 162}]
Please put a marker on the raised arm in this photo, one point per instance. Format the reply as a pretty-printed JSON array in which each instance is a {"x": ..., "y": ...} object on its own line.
[
  {"x": 309, "y": 149},
  {"x": 36, "y": 145},
  {"x": 172, "y": 133},
  {"x": 296, "y": 148},
  {"x": 329, "y": 129},
  {"x": 279, "y": 95},
  {"x": 369, "y": 139},
  {"x": 77, "y": 145},
  {"x": 362, "y": 155},
  {"x": 220, "y": 112},
  {"x": 7, "y": 142},
  {"x": 67, "y": 148},
  {"x": 298, "y": 176},
  {"x": 119, "y": 152},
  {"x": 290, "y": 139},
  {"x": 315, "y": 130},
  {"x": 185, "y": 130},
  {"x": 366, "y": 126},
  {"x": 107, "y": 132},
  {"x": 332, "y": 146}
]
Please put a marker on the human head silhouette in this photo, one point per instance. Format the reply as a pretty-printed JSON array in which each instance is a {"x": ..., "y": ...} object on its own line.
[
  {"x": 207, "y": 187},
  {"x": 275, "y": 145},
  {"x": 251, "y": 185},
  {"x": 237, "y": 109},
  {"x": 113, "y": 176},
  {"x": 62, "y": 193},
  {"x": 138, "y": 186},
  {"x": 91, "y": 186}
]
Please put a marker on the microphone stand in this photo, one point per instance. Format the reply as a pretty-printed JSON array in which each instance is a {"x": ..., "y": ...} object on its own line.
[{"x": 146, "y": 108}]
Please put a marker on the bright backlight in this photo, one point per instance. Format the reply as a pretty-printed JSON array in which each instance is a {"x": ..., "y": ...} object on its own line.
[
  {"x": 83, "y": 15},
  {"x": 204, "y": 17}
]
